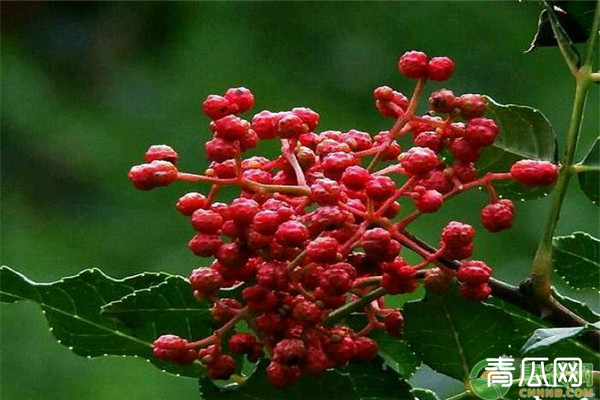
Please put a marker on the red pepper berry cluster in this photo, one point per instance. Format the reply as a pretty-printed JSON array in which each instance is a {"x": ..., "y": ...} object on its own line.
[{"x": 318, "y": 232}]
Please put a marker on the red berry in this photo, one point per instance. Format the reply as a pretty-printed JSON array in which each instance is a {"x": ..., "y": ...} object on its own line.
[
  {"x": 242, "y": 211},
  {"x": 498, "y": 216},
  {"x": 308, "y": 116},
  {"x": 323, "y": 249},
  {"x": 430, "y": 201},
  {"x": 206, "y": 281},
  {"x": 220, "y": 150},
  {"x": 266, "y": 222},
  {"x": 152, "y": 175},
  {"x": 316, "y": 362},
  {"x": 437, "y": 180},
  {"x": 307, "y": 313},
  {"x": 290, "y": 126},
  {"x": 413, "y": 64},
  {"x": 442, "y": 101},
  {"x": 175, "y": 349},
  {"x": 216, "y": 107},
  {"x": 380, "y": 187},
  {"x": 282, "y": 376},
  {"x": 205, "y": 245},
  {"x": 440, "y": 68},
  {"x": 430, "y": 140},
  {"x": 242, "y": 343},
  {"x": 340, "y": 350},
  {"x": 231, "y": 128},
  {"x": 241, "y": 97},
  {"x": 464, "y": 171},
  {"x": 357, "y": 140},
  {"x": 481, "y": 131},
  {"x": 291, "y": 234},
  {"x": 265, "y": 124},
  {"x": 355, "y": 177},
  {"x": 472, "y": 105},
  {"x": 457, "y": 234},
  {"x": 325, "y": 191},
  {"x": 394, "y": 322},
  {"x": 474, "y": 272},
  {"x": 161, "y": 152},
  {"x": 190, "y": 202},
  {"x": 398, "y": 278},
  {"x": 225, "y": 309},
  {"x": 334, "y": 164},
  {"x": 458, "y": 252},
  {"x": 534, "y": 173},
  {"x": 419, "y": 161},
  {"x": 366, "y": 349},
  {"x": 232, "y": 255},
  {"x": 384, "y": 93},
  {"x": 437, "y": 281},
  {"x": 391, "y": 150},
  {"x": 222, "y": 367},
  {"x": 463, "y": 150},
  {"x": 272, "y": 275},
  {"x": 289, "y": 352},
  {"x": 207, "y": 221},
  {"x": 376, "y": 240},
  {"x": 477, "y": 292},
  {"x": 335, "y": 281}
]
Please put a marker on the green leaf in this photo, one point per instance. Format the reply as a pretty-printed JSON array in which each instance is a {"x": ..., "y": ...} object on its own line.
[
  {"x": 546, "y": 337},
  {"x": 451, "y": 334},
  {"x": 397, "y": 354},
  {"x": 525, "y": 133},
  {"x": 526, "y": 323},
  {"x": 579, "y": 308},
  {"x": 169, "y": 307},
  {"x": 370, "y": 381},
  {"x": 73, "y": 306},
  {"x": 589, "y": 181},
  {"x": 573, "y": 18},
  {"x": 576, "y": 260},
  {"x": 424, "y": 394}
]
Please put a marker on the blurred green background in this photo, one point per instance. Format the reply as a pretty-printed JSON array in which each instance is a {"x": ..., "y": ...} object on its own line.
[{"x": 87, "y": 87}]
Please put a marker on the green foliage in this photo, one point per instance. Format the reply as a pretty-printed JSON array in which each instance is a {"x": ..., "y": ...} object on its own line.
[
  {"x": 589, "y": 181},
  {"x": 564, "y": 26},
  {"x": 576, "y": 258},
  {"x": 526, "y": 323},
  {"x": 547, "y": 337},
  {"x": 73, "y": 307},
  {"x": 372, "y": 381},
  {"x": 525, "y": 133},
  {"x": 424, "y": 394},
  {"x": 451, "y": 334}
]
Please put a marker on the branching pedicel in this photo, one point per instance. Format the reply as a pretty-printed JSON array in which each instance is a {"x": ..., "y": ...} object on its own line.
[{"x": 300, "y": 266}]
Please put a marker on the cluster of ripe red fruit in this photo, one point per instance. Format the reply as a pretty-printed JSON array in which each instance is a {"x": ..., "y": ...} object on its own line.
[{"x": 318, "y": 228}]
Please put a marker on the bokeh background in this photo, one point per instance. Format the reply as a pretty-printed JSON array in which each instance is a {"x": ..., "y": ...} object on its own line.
[{"x": 87, "y": 87}]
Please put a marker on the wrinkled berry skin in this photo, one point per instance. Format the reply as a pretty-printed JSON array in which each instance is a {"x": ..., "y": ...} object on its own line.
[
  {"x": 498, "y": 216},
  {"x": 534, "y": 173},
  {"x": 440, "y": 68},
  {"x": 413, "y": 64}
]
